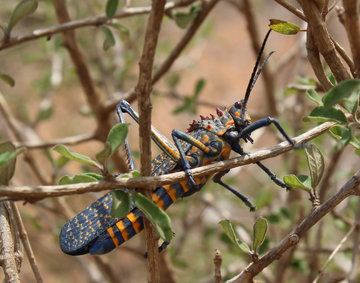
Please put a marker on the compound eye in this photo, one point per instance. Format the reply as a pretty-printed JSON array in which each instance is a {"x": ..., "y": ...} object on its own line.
[{"x": 238, "y": 105}]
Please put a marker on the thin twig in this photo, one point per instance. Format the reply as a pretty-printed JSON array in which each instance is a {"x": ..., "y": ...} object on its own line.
[
  {"x": 39, "y": 192},
  {"x": 49, "y": 143},
  {"x": 353, "y": 274},
  {"x": 292, "y": 9},
  {"x": 321, "y": 272},
  {"x": 25, "y": 241}
]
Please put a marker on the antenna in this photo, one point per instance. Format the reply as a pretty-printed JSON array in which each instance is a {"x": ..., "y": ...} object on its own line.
[{"x": 255, "y": 74}]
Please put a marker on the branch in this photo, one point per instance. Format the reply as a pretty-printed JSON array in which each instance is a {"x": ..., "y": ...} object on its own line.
[
  {"x": 143, "y": 91},
  {"x": 35, "y": 193},
  {"x": 7, "y": 257},
  {"x": 67, "y": 141},
  {"x": 353, "y": 31},
  {"x": 350, "y": 188},
  {"x": 91, "y": 21}
]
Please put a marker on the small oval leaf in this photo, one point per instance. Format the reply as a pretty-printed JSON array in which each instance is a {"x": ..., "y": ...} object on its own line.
[
  {"x": 283, "y": 27},
  {"x": 259, "y": 232},
  {"x": 109, "y": 39},
  {"x": 8, "y": 152},
  {"x": 320, "y": 114},
  {"x": 314, "y": 96},
  {"x": 229, "y": 230},
  {"x": 21, "y": 10},
  {"x": 344, "y": 134},
  {"x": 316, "y": 163},
  {"x": 300, "y": 182},
  {"x": 124, "y": 31},
  {"x": 63, "y": 150},
  {"x": 111, "y": 7},
  {"x": 156, "y": 215},
  {"x": 121, "y": 204},
  {"x": 76, "y": 179},
  {"x": 117, "y": 135},
  {"x": 6, "y": 78}
]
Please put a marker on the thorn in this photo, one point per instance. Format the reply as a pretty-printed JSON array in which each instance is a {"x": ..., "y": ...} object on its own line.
[
  {"x": 218, "y": 111},
  {"x": 202, "y": 117},
  {"x": 212, "y": 116}
]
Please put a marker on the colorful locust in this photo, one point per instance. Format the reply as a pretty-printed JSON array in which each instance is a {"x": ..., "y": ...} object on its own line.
[{"x": 207, "y": 140}]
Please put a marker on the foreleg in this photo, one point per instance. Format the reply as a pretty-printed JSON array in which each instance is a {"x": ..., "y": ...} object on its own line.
[{"x": 264, "y": 123}]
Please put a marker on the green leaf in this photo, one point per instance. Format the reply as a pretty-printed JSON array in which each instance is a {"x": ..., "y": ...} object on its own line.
[
  {"x": 6, "y": 157},
  {"x": 109, "y": 39},
  {"x": 199, "y": 86},
  {"x": 61, "y": 161},
  {"x": 320, "y": 114},
  {"x": 351, "y": 106},
  {"x": 21, "y": 10},
  {"x": 6, "y": 78},
  {"x": 259, "y": 232},
  {"x": 300, "y": 182},
  {"x": 104, "y": 155},
  {"x": 263, "y": 198},
  {"x": 77, "y": 179},
  {"x": 183, "y": 19},
  {"x": 344, "y": 134},
  {"x": 341, "y": 91},
  {"x": 117, "y": 135},
  {"x": 8, "y": 152},
  {"x": 63, "y": 150},
  {"x": 111, "y": 7},
  {"x": 355, "y": 142},
  {"x": 229, "y": 230},
  {"x": 316, "y": 163},
  {"x": 283, "y": 27},
  {"x": 98, "y": 177},
  {"x": 357, "y": 152},
  {"x": 314, "y": 96},
  {"x": 122, "y": 29},
  {"x": 135, "y": 174},
  {"x": 121, "y": 204},
  {"x": 156, "y": 215}
]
